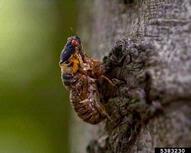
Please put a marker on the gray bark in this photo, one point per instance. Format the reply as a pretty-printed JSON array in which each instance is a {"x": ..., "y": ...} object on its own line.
[{"x": 149, "y": 42}]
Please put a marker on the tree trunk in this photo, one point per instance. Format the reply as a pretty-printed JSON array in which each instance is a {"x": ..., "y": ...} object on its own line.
[{"x": 147, "y": 49}]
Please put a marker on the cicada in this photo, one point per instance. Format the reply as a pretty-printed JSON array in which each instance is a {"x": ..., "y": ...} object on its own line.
[{"x": 79, "y": 74}]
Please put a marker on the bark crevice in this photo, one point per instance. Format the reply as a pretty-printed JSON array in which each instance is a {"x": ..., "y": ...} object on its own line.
[{"x": 150, "y": 64}]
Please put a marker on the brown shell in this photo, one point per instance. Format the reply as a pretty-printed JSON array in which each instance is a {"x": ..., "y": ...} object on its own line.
[
  {"x": 84, "y": 94},
  {"x": 85, "y": 99}
]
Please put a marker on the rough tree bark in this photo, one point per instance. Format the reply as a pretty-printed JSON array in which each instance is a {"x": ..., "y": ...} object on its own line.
[{"x": 147, "y": 49}]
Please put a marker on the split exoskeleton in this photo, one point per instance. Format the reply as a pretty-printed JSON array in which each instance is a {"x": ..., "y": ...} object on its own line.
[{"x": 79, "y": 74}]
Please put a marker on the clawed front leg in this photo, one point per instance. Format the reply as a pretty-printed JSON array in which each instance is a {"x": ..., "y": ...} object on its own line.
[{"x": 113, "y": 82}]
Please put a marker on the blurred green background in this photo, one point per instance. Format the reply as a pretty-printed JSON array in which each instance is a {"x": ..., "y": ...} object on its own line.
[{"x": 34, "y": 106}]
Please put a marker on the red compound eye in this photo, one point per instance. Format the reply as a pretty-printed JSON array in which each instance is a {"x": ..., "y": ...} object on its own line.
[{"x": 74, "y": 42}]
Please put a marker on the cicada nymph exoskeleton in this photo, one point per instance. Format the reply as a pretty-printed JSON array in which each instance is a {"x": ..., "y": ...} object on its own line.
[{"x": 80, "y": 74}]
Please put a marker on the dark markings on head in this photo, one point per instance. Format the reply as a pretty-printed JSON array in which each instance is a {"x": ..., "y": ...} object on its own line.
[{"x": 69, "y": 49}]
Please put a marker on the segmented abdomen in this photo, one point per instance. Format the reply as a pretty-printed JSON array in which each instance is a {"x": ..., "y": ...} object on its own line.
[{"x": 85, "y": 99}]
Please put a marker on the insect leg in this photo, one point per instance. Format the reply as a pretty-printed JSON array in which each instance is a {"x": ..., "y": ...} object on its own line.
[
  {"x": 84, "y": 101},
  {"x": 108, "y": 80},
  {"x": 100, "y": 107}
]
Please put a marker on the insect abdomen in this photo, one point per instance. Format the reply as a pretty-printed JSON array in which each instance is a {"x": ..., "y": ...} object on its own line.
[
  {"x": 85, "y": 100},
  {"x": 88, "y": 113}
]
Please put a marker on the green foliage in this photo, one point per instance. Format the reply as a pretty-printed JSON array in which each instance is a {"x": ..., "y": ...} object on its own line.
[{"x": 34, "y": 108}]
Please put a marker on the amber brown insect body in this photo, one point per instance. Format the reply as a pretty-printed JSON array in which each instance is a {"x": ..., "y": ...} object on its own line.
[
  {"x": 85, "y": 98},
  {"x": 79, "y": 74}
]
